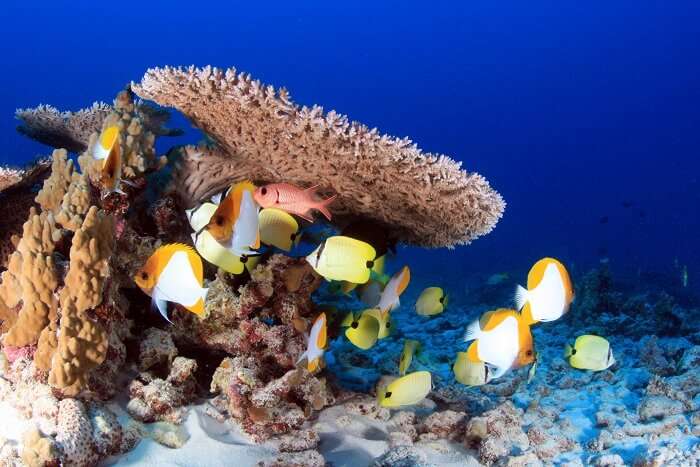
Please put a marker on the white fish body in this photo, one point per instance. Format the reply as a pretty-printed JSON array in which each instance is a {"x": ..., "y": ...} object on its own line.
[
  {"x": 548, "y": 299},
  {"x": 312, "y": 350},
  {"x": 245, "y": 230},
  {"x": 499, "y": 346},
  {"x": 177, "y": 282}
]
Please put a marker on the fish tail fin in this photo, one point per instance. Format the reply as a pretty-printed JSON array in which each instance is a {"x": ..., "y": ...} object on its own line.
[
  {"x": 197, "y": 308},
  {"x": 473, "y": 331},
  {"x": 568, "y": 351},
  {"x": 521, "y": 297},
  {"x": 322, "y": 206}
]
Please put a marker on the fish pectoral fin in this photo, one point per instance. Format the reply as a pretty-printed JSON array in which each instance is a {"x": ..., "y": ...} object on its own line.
[
  {"x": 302, "y": 357},
  {"x": 160, "y": 304},
  {"x": 498, "y": 371}
]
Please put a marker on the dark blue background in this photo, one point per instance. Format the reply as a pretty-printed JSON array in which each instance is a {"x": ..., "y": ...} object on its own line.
[{"x": 567, "y": 109}]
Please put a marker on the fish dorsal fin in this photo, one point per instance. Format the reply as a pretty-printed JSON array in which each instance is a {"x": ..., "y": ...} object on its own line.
[
  {"x": 491, "y": 319},
  {"x": 321, "y": 335},
  {"x": 404, "y": 279},
  {"x": 237, "y": 196}
]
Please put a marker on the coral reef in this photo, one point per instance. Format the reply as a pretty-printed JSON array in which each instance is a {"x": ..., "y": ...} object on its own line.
[
  {"x": 72, "y": 130},
  {"x": 263, "y": 135},
  {"x": 68, "y": 130},
  {"x": 17, "y": 195}
]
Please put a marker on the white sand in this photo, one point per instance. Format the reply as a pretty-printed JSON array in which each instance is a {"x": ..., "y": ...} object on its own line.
[{"x": 346, "y": 441}]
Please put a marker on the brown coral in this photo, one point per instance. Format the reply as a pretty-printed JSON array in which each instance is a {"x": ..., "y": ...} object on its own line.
[
  {"x": 17, "y": 194},
  {"x": 69, "y": 130},
  {"x": 82, "y": 344},
  {"x": 32, "y": 279},
  {"x": 72, "y": 130},
  {"x": 425, "y": 199}
]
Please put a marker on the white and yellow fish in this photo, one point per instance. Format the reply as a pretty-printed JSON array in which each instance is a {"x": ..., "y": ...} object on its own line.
[
  {"x": 210, "y": 249},
  {"x": 173, "y": 273},
  {"x": 549, "y": 292},
  {"x": 106, "y": 142},
  {"x": 393, "y": 290},
  {"x": 502, "y": 339},
  {"x": 316, "y": 344},
  {"x": 406, "y": 390},
  {"x": 235, "y": 222}
]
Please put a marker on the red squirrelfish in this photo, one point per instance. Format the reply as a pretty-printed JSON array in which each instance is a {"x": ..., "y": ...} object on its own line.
[{"x": 293, "y": 199}]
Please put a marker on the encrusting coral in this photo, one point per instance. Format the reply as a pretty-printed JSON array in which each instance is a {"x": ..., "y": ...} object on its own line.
[{"x": 424, "y": 199}]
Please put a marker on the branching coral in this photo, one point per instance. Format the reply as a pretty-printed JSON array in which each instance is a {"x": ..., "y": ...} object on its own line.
[{"x": 424, "y": 198}]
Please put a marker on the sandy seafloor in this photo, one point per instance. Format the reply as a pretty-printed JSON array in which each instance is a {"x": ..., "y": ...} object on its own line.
[{"x": 570, "y": 417}]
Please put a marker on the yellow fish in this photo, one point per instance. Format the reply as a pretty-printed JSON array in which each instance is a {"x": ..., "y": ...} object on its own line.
[
  {"x": 109, "y": 150},
  {"x": 235, "y": 222},
  {"x": 549, "y": 292},
  {"x": 503, "y": 339},
  {"x": 590, "y": 353},
  {"x": 210, "y": 249},
  {"x": 410, "y": 347},
  {"x": 393, "y": 290},
  {"x": 362, "y": 332},
  {"x": 407, "y": 390},
  {"x": 343, "y": 259},
  {"x": 278, "y": 228},
  {"x": 384, "y": 319},
  {"x": 173, "y": 273},
  {"x": 432, "y": 301},
  {"x": 106, "y": 142},
  {"x": 471, "y": 373},
  {"x": 316, "y": 343}
]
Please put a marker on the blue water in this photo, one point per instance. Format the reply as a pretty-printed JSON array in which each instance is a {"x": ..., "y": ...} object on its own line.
[{"x": 568, "y": 110}]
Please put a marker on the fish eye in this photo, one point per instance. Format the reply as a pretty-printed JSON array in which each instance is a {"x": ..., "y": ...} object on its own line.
[
  {"x": 219, "y": 221},
  {"x": 388, "y": 394},
  {"x": 354, "y": 325},
  {"x": 144, "y": 275},
  {"x": 263, "y": 190},
  {"x": 244, "y": 259},
  {"x": 529, "y": 353},
  {"x": 370, "y": 264},
  {"x": 388, "y": 325}
]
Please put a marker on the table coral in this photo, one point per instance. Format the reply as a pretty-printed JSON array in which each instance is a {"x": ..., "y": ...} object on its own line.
[{"x": 263, "y": 135}]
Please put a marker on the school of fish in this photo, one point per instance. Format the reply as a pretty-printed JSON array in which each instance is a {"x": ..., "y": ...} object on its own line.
[{"x": 235, "y": 227}]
